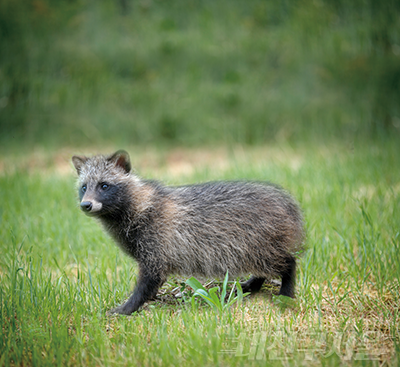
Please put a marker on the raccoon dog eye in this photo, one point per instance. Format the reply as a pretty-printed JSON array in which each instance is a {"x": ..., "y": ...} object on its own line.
[
  {"x": 84, "y": 188},
  {"x": 104, "y": 186}
]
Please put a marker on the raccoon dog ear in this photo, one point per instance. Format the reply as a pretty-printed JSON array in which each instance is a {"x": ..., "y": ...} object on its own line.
[
  {"x": 121, "y": 159},
  {"x": 78, "y": 162}
]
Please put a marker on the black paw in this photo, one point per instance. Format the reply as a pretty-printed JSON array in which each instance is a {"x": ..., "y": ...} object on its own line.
[
  {"x": 287, "y": 292},
  {"x": 252, "y": 285},
  {"x": 246, "y": 288},
  {"x": 120, "y": 310}
]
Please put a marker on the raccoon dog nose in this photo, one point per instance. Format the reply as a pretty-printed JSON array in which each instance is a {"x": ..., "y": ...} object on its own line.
[{"x": 86, "y": 206}]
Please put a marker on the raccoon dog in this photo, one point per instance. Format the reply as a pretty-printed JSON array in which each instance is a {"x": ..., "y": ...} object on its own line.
[{"x": 201, "y": 230}]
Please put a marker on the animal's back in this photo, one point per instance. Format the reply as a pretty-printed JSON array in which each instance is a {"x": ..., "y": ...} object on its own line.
[{"x": 237, "y": 226}]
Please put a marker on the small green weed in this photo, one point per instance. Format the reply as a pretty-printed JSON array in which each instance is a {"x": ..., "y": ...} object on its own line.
[{"x": 217, "y": 302}]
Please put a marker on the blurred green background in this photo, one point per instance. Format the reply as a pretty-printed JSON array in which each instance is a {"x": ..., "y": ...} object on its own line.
[{"x": 184, "y": 72}]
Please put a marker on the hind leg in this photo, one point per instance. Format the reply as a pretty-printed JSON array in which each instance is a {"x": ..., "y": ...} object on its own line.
[
  {"x": 288, "y": 278},
  {"x": 252, "y": 285}
]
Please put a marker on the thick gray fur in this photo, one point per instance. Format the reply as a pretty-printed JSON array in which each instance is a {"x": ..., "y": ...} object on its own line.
[{"x": 202, "y": 230}]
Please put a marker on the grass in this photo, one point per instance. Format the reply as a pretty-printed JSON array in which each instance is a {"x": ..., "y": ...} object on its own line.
[{"x": 59, "y": 273}]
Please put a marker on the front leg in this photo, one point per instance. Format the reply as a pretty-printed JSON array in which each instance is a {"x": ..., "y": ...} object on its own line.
[{"x": 146, "y": 289}]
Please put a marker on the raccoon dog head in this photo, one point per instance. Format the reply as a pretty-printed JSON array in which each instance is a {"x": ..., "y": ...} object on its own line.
[{"x": 101, "y": 179}]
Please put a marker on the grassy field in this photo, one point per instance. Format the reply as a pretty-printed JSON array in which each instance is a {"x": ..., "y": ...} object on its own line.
[{"x": 59, "y": 272}]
